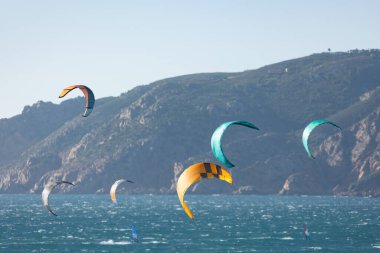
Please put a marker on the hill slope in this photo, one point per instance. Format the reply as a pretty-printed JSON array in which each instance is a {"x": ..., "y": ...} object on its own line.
[{"x": 151, "y": 133}]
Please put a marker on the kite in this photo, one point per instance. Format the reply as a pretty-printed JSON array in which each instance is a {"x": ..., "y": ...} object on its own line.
[
  {"x": 114, "y": 187},
  {"x": 309, "y": 128},
  {"x": 195, "y": 173},
  {"x": 90, "y": 98},
  {"x": 46, "y": 192},
  {"x": 216, "y": 140}
]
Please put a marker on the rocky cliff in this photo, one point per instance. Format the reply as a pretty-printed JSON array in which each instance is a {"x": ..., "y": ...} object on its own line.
[{"x": 153, "y": 132}]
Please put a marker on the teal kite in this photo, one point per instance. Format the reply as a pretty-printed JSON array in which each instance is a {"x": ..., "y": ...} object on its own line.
[
  {"x": 309, "y": 128},
  {"x": 216, "y": 140}
]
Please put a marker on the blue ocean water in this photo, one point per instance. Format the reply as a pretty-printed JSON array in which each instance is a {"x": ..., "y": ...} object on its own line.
[{"x": 91, "y": 223}]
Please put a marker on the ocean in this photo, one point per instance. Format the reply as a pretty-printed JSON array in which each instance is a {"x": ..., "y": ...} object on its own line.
[{"x": 223, "y": 223}]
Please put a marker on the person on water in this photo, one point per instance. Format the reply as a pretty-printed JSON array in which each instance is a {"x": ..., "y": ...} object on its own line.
[
  {"x": 134, "y": 234},
  {"x": 306, "y": 232}
]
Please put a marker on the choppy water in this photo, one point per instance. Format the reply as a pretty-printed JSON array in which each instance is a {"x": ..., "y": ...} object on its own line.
[{"x": 90, "y": 223}]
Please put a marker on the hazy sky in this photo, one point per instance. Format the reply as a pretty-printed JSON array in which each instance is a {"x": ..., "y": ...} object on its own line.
[{"x": 112, "y": 46}]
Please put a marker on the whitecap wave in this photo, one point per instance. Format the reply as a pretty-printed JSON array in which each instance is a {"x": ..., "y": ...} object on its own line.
[
  {"x": 112, "y": 242},
  {"x": 155, "y": 242},
  {"x": 287, "y": 238},
  {"x": 315, "y": 248}
]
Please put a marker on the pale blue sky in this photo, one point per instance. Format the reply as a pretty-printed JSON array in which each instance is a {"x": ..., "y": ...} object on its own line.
[{"x": 113, "y": 46}]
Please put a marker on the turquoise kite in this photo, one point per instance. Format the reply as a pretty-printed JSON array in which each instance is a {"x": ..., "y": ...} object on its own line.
[
  {"x": 310, "y": 128},
  {"x": 216, "y": 140}
]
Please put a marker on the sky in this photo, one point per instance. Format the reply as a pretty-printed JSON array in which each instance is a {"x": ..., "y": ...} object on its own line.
[{"x": 113, "y": 46}]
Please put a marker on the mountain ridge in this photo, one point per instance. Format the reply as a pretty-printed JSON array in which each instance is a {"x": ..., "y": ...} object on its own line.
[{"x": 153, "y": 132}]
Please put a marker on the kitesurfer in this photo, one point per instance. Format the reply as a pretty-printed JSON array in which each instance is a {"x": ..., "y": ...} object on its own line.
[
  {"x": 134, "y": 234},
  {"x": 306, "y": 232}
]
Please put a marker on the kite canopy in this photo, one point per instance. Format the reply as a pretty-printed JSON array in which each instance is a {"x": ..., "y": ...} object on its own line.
[
  {"x": 90, "y": 98},
  {"x": 309, "y": 128},
  {"x": 216, "y": 140},
  {"x": 47, "y": 190},
  {"x": 195, "y": 173},
  {"x": 114, "y": 188}
]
